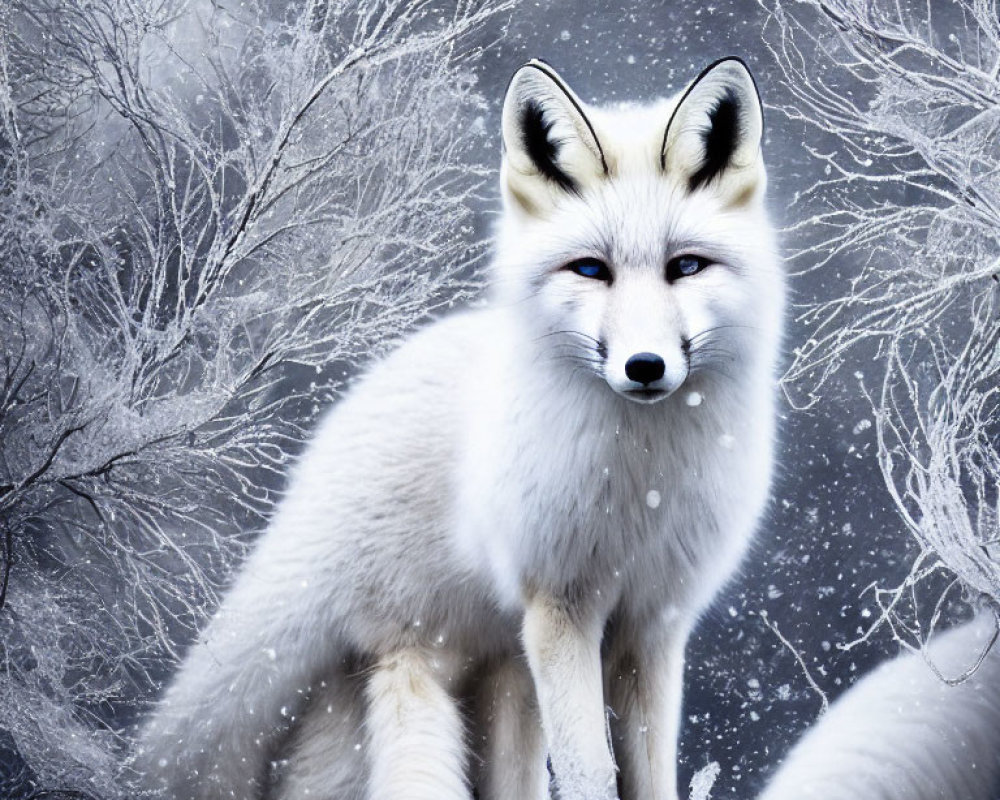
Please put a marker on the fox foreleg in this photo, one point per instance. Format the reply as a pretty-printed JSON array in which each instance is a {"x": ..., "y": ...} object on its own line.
[
  {"x": 513, "y": 756},
  {"x": 564, "y": 652},
  {"x": 643, "y": 676}
]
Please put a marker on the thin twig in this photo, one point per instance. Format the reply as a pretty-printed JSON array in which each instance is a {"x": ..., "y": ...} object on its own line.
[{"x": 824, "y": 701}]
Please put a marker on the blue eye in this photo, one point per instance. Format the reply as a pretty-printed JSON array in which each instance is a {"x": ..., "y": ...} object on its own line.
[
  {"x": 590, "y": 268},
  {"x": 685, "y": 266}
]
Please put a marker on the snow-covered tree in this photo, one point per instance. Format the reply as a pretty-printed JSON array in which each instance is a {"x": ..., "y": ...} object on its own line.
[
  {"x": 207, "y": 211},
  {"x": 904, "y": 101}
]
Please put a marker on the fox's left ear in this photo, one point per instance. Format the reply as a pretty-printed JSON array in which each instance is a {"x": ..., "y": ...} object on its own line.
[
  {"x": 550, "y": 147},
  {"x": 712, "y": 140}
]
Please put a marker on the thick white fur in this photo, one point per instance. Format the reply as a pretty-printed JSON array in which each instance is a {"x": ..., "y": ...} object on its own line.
[
  {"x": 478, "y": 518},
  {"x": 901, "y": 733}
]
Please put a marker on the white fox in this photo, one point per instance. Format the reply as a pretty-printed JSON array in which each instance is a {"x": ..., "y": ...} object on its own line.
[{"x": 526, "y": 506}]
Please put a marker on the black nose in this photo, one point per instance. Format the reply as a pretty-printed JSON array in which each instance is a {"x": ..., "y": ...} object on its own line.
[{"x": 644, "y": 368}]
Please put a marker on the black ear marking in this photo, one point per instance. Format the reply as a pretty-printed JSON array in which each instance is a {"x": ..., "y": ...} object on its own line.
[
  {"x": 719, "y": 139},
  {"x": 541, "y": 147}
]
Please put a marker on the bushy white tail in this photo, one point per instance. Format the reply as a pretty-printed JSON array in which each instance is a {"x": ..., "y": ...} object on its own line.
[
  {"x": 902, "y": 733},
  {"x": 219, "y": 724}
]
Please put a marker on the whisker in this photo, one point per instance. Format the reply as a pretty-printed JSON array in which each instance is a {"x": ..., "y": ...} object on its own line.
[
  {"x": 575, "y": 345},
  {"x": 570, "y": 332},
  {"x": 714, "y": 351},
  {"x": 583, "y": 355},
  {"x": 724, "y": 327},
  {"x": 579, "y": 362},
  {"x": 575, "y": 357},
  {"x": 696, "y": 368}
]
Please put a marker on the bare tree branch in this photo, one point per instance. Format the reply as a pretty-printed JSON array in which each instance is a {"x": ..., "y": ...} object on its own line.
[
  {"x": 206, "y": 214},
  {"x": 906, "y": 104}
]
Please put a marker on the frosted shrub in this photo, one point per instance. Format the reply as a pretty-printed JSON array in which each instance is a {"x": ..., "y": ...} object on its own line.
[
  {"x": 904, "y": 102},
  {"x": 206, "y": 213}
]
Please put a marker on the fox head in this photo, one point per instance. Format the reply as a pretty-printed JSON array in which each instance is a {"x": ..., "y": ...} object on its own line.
[{"x": 635, "y": 238}]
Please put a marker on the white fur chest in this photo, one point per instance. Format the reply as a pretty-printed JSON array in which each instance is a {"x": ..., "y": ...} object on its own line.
[{"x": 568, "y": 488}]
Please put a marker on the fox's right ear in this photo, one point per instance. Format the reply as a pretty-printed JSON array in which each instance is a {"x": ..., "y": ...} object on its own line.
[
  {"x": 550, "y": 147},
  {"x": 712, "y": 141}
]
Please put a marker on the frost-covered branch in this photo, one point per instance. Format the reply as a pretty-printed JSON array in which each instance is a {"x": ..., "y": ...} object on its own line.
[
  {"x": 904, "y": 99},
  {"x": 206, "y": 213}
]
